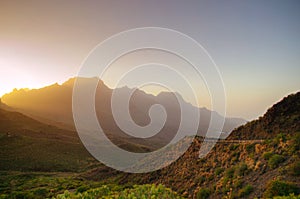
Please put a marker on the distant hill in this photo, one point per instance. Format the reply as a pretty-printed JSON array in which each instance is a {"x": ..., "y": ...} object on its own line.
[
  {"x": 54, "y": 103},
  {"x": 28, "y": 145}
]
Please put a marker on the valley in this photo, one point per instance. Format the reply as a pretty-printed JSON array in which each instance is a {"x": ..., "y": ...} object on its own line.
[{"x": 259, "y": 159}]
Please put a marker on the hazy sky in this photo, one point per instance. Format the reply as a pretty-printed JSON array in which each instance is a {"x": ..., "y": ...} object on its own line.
[{"x": 255, "y": 44}]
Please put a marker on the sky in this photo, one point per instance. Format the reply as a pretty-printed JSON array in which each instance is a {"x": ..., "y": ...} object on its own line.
[{"x": 255, "y": 44}]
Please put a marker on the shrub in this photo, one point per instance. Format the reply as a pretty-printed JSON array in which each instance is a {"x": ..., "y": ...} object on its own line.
[
  {"x": 203, "y": 193},
  {"x": 280, "y": 188},
  {"x": 41, "y": 192},
  {"x": 230, "y": 172},
  {"x": 296, "y": 142},
  {"x": 138, "y": 191},
  {"x": 82, "y": 188},
  {"x": 267, "y": 155},
  {"x": 250, "y": 148},
  {"x": 275, "y": 160},
  {"x": 219, "y": 170},
  {"x": 238, "y": 183},
  {"x": 291, "y": 196},
  {"x": 232, "y": 147},
  {"x": 280, "y": 137},
  {"x": 242, "y": 169},
  {"x": 245, "y": 191},
  {"x": 294, "y": 169}
]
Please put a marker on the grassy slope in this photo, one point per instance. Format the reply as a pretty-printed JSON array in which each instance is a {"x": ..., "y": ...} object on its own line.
[{"x": 29, "y": 145}]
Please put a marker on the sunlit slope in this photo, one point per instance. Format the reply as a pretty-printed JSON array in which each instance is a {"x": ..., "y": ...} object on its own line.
[
  {"x": 283, "y": 117},
  {"x": 263, "y": 164},
  {"x": 55, "y": 103}
]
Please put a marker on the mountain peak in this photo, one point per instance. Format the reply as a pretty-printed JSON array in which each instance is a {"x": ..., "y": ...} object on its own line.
[{"x": 282, "y": 117}]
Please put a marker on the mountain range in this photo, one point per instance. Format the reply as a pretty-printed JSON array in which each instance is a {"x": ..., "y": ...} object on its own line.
[
  {"x": 53, "y": 105},
  {"x": 259, "y": 159}
]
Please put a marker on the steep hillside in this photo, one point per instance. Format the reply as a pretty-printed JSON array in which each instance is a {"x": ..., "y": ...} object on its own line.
[
  {"x": 234, "y": 168},
  {"x": 283, "y": 117}
]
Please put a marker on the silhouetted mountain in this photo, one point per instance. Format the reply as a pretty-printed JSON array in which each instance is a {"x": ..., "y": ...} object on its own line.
[
  {"x": 4, "y": 106},
  {"x": 54, "y": 103}
]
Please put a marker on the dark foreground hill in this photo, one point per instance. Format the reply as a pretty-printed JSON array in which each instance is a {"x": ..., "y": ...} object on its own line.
[{"x": 29, "y": 145}]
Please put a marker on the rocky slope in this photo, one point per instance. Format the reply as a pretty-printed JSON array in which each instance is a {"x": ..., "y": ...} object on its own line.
[{"x": 265, "y": 164}]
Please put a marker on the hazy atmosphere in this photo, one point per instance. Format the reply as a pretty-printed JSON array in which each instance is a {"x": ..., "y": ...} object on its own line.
[
  {"x": 255, "y": 44},
  {"x": 149, "y": 99}
]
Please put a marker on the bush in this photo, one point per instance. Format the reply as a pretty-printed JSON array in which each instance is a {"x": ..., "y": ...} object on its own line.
[
  {"x": 280, "y": 137},
  {"x": 267, "y": 155},
  {"x": 232, "y": 147},
  {"x": 245, "y": 191},
  {"x": 230, "y": 172},
  {"x": 250, "y": 148},
  {"x": 296, "y": 142},
  {"x": 275, "y": 160},
  {"x": 138, "y": 191},
  {"x": 242, "y": 169},
  {"x": 219, "y": 170},
  {"x": 294, "y": 169},
  {"x": 238, "y": 183},
  {"x": 280, "y": 188},
  {"x": 82, "y": 188},
  {"x": 291, "y": 196},
  {"x": 41, "y": 192},
  {"x": 203, "y": 193}
]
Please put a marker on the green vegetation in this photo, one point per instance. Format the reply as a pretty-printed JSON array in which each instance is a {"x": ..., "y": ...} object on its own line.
[
  {"x": 137, "y": 191},
  {"x": 294, "y": 168},
  {"x": 275, "y": 160},
  {"x": 280, "y": 188},
  {"x": 250, "y": 148},
  {"x": 229, "y": 173},
  {"x": 296, "y": 142},
  {"x": 28, "y": 145},
  {"x": 40, "y": 185},
  {"x": 219, "y": 170},
  {"x": 203, "y": 193},
  {"x": 242, "y": 169},
  {"x": 291, "y": 196},
  {"x": 245, "y": 191},
  {"x": 267, "y": 155}
]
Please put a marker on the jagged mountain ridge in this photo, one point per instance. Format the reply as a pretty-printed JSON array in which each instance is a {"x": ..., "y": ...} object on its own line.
[{"x": 54, "y": 103}]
